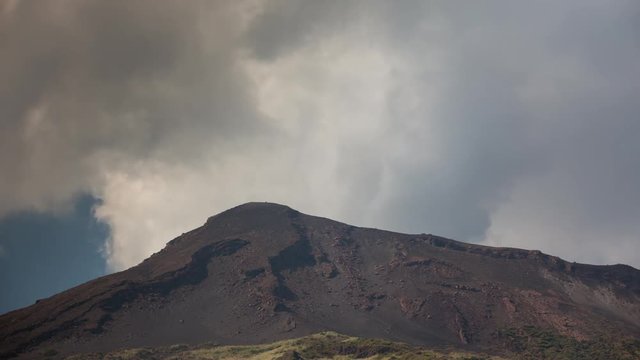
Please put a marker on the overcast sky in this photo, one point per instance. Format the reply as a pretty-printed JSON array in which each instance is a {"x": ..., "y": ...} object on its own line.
[{"x": 126, "y": 123}]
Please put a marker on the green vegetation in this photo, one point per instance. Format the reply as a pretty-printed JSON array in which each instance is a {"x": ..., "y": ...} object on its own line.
[
  {"x": 535, "y": 343},
  {"x": 327, "y": 345},
  {"x": 526, "y": 343}
]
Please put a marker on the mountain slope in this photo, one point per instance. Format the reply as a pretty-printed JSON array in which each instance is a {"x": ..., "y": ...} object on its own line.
[{"x": 263, "y": 272}]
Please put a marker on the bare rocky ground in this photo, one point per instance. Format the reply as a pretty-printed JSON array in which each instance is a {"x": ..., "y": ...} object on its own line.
[{"x": 261, "y": 272}]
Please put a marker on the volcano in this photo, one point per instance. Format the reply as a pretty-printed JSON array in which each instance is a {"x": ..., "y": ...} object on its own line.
[{"x": 263, "y": 272}]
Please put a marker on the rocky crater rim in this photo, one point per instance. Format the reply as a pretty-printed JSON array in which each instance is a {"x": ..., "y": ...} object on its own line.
[
  {"x": 256, "y": 207},
  {"x": 250, "y": 207}
]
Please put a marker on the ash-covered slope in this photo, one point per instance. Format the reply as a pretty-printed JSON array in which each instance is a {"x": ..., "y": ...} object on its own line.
[{"x": 262, "y": 272}]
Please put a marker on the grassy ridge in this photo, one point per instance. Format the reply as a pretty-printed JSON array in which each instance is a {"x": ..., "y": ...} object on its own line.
[
  {"x": 534, "y": 343},
  {"x": 526, "y": 343},
  {"x": 326, "y": 345}
]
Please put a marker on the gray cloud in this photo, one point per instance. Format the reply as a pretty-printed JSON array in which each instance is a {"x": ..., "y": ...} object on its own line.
[
  {"x": 541, "y": 95},
  {"x": 510, "y": 124},
  {"x": 83, "y": 80},
  {"x": 283, "y": 25}
]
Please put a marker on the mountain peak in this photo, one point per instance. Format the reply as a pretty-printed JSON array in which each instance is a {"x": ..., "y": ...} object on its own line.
[
  {"x": 261, "y": 272},
  {"x": 259, "y": 205},
  {"x": 253, "y": 208}
]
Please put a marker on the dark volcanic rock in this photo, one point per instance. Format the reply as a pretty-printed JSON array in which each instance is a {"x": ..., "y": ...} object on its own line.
[{"x": 263, "y": 272}]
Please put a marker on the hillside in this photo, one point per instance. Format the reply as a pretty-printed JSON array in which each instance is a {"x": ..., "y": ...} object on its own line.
[
  {"x": 329, "y": 345},
  {"x": 325, "y": 345},
  {"x": 261, "y": 272}
]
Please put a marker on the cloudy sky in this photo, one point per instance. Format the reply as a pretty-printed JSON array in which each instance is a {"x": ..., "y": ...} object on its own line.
[{"x": 126, "y": 123}]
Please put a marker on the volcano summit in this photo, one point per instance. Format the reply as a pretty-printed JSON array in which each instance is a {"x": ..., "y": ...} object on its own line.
[{"x": 263, "y": 272}]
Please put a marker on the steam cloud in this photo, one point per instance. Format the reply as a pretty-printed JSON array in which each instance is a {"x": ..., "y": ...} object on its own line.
[{"x": 502, "y": 123}]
